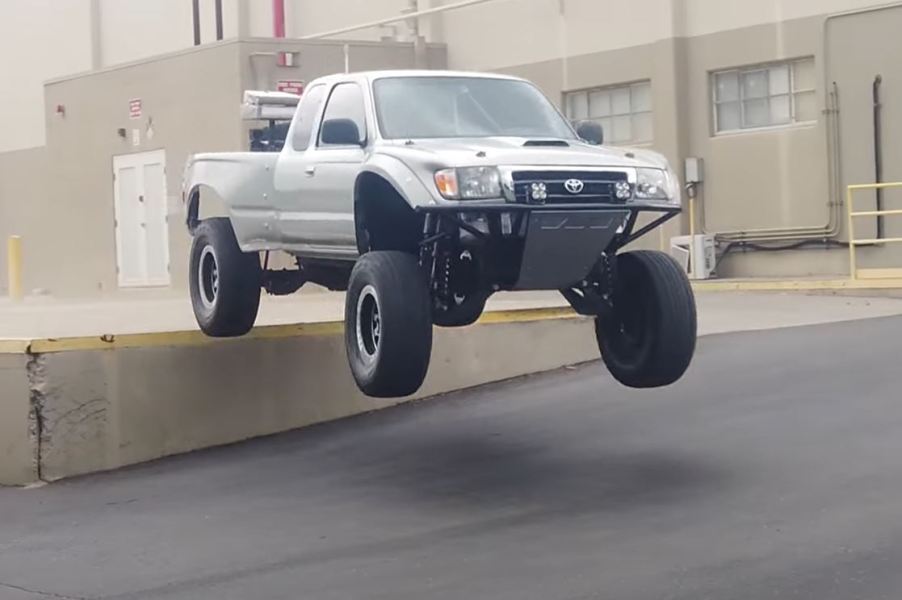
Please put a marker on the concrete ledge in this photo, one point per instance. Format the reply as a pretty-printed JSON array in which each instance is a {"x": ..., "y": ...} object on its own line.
[
  {"x": 79, "y": 405},
  {"x": 785, "y": 285},
  {"x": 17, "y": 435}
]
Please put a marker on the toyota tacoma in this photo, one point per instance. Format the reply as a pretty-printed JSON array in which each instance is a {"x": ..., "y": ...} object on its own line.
[{"x": 421, "y": 193}]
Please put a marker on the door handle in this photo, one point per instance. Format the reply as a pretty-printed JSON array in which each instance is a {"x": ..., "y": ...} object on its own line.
[{"x": 310, "y": 171}]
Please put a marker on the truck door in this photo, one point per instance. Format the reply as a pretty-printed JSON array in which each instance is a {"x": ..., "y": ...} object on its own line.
[
  {"x": 328, "y": 188},
  {"x": 291, "y": 172}
]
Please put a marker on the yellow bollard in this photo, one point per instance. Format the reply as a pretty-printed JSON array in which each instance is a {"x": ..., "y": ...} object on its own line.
[{"x": 14, "y": 267}]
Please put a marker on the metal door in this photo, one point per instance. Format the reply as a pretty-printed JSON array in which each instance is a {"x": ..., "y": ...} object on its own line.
[{"x": 142, "y": 236}]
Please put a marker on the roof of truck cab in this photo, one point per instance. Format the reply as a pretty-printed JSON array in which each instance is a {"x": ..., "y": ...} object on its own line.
[
  {"x": 428, "y": 73},
  {"x": 373, "y": 75}
]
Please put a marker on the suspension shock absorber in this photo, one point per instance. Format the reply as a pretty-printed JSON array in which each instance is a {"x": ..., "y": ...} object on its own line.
[{"x": 433, "y": 259}]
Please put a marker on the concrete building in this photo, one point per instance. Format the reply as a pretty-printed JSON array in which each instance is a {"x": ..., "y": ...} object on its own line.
[{"x": 776, "y": 96}]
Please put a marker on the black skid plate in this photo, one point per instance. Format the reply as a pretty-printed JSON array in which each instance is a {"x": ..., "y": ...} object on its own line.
[{"x": 563, "y": 246}]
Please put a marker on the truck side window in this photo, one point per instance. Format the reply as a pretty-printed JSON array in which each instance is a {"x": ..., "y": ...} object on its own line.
[
  {"x": 346, "y": 102},
  {"x": 307, "y": 111}
]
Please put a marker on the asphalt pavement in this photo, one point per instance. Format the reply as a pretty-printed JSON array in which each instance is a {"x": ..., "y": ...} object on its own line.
[{"x": 772, "y": 471}]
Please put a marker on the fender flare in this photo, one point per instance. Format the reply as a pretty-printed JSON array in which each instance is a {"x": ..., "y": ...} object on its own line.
[
  {"x": 237, "y": 179},
  {"x": 395, "y": 175},
  {"x": 405, "y": 182}
]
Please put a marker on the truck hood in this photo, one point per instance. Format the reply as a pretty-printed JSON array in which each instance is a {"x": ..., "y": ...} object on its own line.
[{"x": 464, "y": 152}]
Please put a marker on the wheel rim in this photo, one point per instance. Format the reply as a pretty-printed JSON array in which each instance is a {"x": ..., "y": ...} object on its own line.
[
  {"x": 208, "y": 277},
  {"x": 630, "y": 330},
  {"x": 369, "y": 324},
  {"x": 627, "y": 330}
]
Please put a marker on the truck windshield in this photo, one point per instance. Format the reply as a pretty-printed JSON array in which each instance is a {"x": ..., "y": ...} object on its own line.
[{"x": 454, "y": 107}]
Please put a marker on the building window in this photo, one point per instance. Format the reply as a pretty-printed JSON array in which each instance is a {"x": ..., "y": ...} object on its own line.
[
  {"x": 623, "y": 111},
  {"x": 772, "y": 95}
]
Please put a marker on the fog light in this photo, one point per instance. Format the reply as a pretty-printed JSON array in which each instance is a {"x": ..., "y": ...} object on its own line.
[
  {"x": 623, "y": 190},
  {"x": 539, "y": 192}
]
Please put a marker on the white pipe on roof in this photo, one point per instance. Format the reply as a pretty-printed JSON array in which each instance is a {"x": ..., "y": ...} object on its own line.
[{"x": 395, "y": 19}]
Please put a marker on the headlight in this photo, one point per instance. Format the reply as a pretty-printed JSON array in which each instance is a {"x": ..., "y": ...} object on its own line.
[
  {"x": 469, "y": 183},
  {"x": 653, "y": 184}
]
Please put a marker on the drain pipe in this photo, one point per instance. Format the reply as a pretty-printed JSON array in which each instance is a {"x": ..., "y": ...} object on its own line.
[
  {"x": 195, "y": 13},
  {"x": 834, "y": 203},
  {"x": 219, "y": 31},
  {"x": 878, "y": 152},
  {"x": 96, "y": 40},
  {"x": 836, "y": 198}
]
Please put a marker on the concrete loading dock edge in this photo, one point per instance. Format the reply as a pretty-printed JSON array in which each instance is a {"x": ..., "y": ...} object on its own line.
[
  {"x": 78, "y": 405},
  {"x": 82, "y": 404}
]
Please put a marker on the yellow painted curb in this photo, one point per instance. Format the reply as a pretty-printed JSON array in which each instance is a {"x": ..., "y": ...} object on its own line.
[
  {"x": 269, "y": 332},
  {"x": 14, "y": 346},
  {"x": 273, "y": 332},
  {"x": 777, "y": 285}
]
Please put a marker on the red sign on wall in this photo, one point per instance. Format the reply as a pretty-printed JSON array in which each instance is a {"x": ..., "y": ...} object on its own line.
[
  {"x": 135, "y": 108},
  {"x": 290, "y": 86}
]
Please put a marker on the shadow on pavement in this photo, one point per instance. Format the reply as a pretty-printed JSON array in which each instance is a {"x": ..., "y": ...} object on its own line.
[{"x": 453, "y": 469}]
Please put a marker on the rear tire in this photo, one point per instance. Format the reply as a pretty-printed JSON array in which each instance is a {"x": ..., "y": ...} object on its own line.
[
  {"x": 388, "y": 324},
  {"x": 649, "y": 338},
  {"x": 224, "y": 281}
]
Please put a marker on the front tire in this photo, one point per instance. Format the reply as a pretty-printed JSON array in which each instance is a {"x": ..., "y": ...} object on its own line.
[
  {"x": 224, "y": 281},
  {"x": 648, "y": 339},
  {"x": 388, "y": 324}
]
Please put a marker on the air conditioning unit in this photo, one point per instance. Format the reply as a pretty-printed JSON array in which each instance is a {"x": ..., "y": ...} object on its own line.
[{"x": 696, "y": 255}]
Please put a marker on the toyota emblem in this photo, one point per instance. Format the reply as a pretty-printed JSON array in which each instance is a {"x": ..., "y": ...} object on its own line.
[{"x": 574, "y": 186}]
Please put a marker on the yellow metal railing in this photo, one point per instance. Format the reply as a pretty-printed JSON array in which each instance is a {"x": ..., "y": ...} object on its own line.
[
  {"x": 852, "y": 214},
  {"x": 14, "y": 267}
]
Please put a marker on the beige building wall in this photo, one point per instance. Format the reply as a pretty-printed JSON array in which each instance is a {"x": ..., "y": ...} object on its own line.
[
  {"x": 39, "y": 39},
  {"x": 45, "y": 39},
  {"x": 186, "y": 116},
  {"x": 60, "y": 198},
  {"x": 25, "y": 210},
  {"x": 763, "y": 179},
  {"x": 776, "y": 179}
]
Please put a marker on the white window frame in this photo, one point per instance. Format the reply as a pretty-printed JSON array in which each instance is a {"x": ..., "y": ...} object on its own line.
[
  {"x": 632, "y": 113},
  {"x": 793, "y": 93}
]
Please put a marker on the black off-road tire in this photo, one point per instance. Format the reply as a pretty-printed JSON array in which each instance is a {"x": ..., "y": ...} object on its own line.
[
  {"x": 649, "y": 339},
  {"x": 465, "y": 311},
  {"x": 224, "y": 281},
  {"x": 388, "y": 324}
]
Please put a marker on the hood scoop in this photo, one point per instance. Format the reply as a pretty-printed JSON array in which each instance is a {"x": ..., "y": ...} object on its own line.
[{"x": 547, "y": 143}]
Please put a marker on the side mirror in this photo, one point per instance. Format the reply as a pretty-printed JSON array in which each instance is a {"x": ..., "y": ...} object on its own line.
[
  {"x": 590, "y": 132},
  {"x": 341, "y": 132}
]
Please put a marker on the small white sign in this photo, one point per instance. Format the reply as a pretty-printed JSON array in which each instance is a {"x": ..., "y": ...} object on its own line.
[{"x": 136, "y": 137}]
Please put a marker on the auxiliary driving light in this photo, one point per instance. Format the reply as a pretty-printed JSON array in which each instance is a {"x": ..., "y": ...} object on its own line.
[
  {"x": 538, "y": 192},
  {"x": 623, "y": 190}
]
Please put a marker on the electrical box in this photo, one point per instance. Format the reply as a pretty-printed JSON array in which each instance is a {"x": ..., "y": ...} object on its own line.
[
  {"x": 696, "y": 254},
  {"x": 695, "y": 170}
]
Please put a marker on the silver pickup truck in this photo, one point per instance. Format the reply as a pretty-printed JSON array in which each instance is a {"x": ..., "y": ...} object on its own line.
[{"x": 421, "y": 193}]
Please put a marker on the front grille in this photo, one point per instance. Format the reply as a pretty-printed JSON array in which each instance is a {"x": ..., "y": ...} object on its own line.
[{"x": 598, "y": 186}]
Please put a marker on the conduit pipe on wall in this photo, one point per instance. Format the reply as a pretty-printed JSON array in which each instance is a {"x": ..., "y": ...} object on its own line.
[
  {"x": 834, "y": 203},
  {"x": 835, "y": 200},
  {"x": 219, "y": 28},
  {"x": 195, "y": 15}
]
